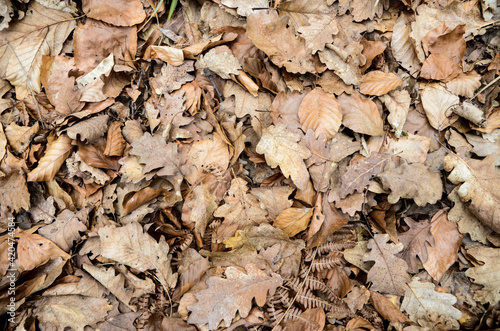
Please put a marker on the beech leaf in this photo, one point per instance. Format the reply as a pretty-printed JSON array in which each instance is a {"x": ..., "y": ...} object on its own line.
[
  {"x": 53, "y": 159},
  {"x": 320, "y": 111}
]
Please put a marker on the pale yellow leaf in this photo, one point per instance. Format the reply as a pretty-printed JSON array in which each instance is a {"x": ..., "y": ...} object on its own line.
[{"x": 19, "y": 137}]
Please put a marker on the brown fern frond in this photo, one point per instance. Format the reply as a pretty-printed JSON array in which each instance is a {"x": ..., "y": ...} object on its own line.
[
  {"x": 309, "y": 300},
  {"x": 336, "y": 246},
  {"x": 327, "y": 262},
  {"x": 273, "y": 312},
  {"x": 346, "y": 232},
  {"x": 315, "y": 284}
]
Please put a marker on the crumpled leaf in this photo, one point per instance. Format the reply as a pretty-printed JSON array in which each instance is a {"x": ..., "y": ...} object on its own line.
[
  {"x": 221, "y": 61},
  {"x": 207, "y": 156},
  {"x": 402, "y": 181},
  {"x": 320, "y": 111},
  {"x": 361, "y": 115},
  {"x": 41, "y": 32},
  {"x": 73, "y": 311},
  {"x": 319, "y": 32},
  {"x": 438, "y": 103},
  {"x": 424, "y": 304},
  {"x": 66, "y": 228},
  {"x": 53, "y": 159},
  {"x": 403, "y": 46},
  {"x": 281, "y": 149},
  {"x": 34, "y": 250},
  {"x": 19, "y": 137},
  {"x": 245, "y": 7},
  {"x": 89, "y": 130},
  {"x": 478, "y": 183},
  {"x": 389, "y": 273},
  {"x": 224, "y": 297},
  {"x": 487, "y": 274},
  {"x": 14, "y": 192},
  {"x": 115, "y": 144},
  {"x": 131, "y": 246}
]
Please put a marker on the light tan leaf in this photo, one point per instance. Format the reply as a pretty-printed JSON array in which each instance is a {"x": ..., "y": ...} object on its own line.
[
  {"x": 424, "y": 305},
  {"x": 115, "y": 144},
  {"x": 245, "y": 7},
  {"x": 19, "y": 137},
  {"x": 54, "y": 157},
  {"x": 362, "y": 9},
  {"x": 477, "y": 183},
  {"x": 115, "y": 284},
  {"x": 361, "y": 115},
  {"x": 198, "y": 208},
  {"x": 245, "y": 103},
  {"x": 41, "y": 32},
  {"x": 355, "y": 256},
  {"x": 268, "y": 31},
  {"x": 437, "y": 67},
  {"x": 207, "y": 156},
  {"x": 142, "y": 197},
  {"x": 398, "y": 104},
  {"x": 131, "y": 246},
  {"x": 275, "y": 199},
  {"x": 80, "y": 284},
  {"x": 34, "y": 250},
  {"x": 443, "y": 254},
  {"x": 280, "y": 148},
  {"x": 171, "y": 78},
  {"x": 171, "y": 55},
  {"x": 403, "y": 46},
  {"x": 224, "y": 297},
  {"x": 3, "y": 143},
  {"x": 464, "y": 84},
  {"x": 320, "y": 111},
  {"x": 221, "y": 61},
  {"x": 411, "y": 181},
  {"x": 148, "y": 147},
  {"x": 319, "y": 32},
  {"x": 92, "y": 84},
  {"x": 293, "y": 220},
  {"x": 89, "y": 130},
  {"x": 115, "y": 12},
  {"x": 438, "y": 103},
  {"x": 412, "y": 148},
  {"x": 487, "y": 274},
  {"x": 389, "y": 273},
  {"x": 6, "y": 13},
  {"x": 241, "y": 209},
  {"x": 379, "y": 83},
  {"x": 14, "y": 192},
  {"x": 345, "y": 63},
  {"x": 66, "y": 228},
  {"x": 73, "y": 311}
]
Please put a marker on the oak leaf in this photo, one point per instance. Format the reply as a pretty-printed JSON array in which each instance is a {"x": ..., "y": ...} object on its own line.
[
  {"x": 73, "y": 311},
  {"x": 414, "y": 241},
  {"x": 281, "y": 149},
  {"x": 424, "y": 304},
  {"x": 477, "y": 183},
  {"x": 245, "y": 7},
  {"x": 198, "y": 208},
  {"x": 320, "y": 111},
  {"x": 487, "y": 274},
  {"x": 362, "y": 10},
  {"x": 221, "y": 61},
  {"x": 361, "y": 115},
  {"x": 53, "y": 159},
  {"x": 66, "y": 228},
  {"x": 319, "y": 32},
  {"x": 14, "y": 193},
  {"x": 389, "y": 273},
  {"x": 224, "y": 297},
  {"x": 34, "y": 250},
  {"x": 275, "y": 199},
  {"x": 379, "y": 83},
  {"x": 150, "y": 150},
  {"x": 133, "y": 247},
  {"x": 171, "y": 78},
  {"x": 19, "y": 137},
  {"x": 406, "y": 181}
]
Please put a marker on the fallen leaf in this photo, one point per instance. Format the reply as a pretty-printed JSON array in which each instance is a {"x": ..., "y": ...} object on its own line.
[
  {"x": 320, "y": 111},
  {"x": 121, "y": 12},
  {"x": 19, "y": 137},
  {"x": 281, "y": 149},
  {"x": 245, "y": 7},
  {"x": 66, "y": 228},
  {"x": 361, "y": 115},
  {"x": 131, "y": 246},
  {"x": 293, "y": 220},
  {"x": 389, "y": 273},
  {"x": 221, "y": 61},
  {"x": 73, "y": 311},
  {"x": 379, "y": 83},
  {"x": 224, "y": 297},
  {"x": 386, "y": 308},
  {"x": 54, "y": 157},
  {"x": 424, "y": 304},
  {"x": 319, "y": 32},
  {"x": 207, "y": 156},
  {"x": 171, "y": 78},
  {"x": 275, "y": 199},
  {"x": 115, "y": 144},
  {"x": 173, "y": 56},
  {"x": 14, "y": 193},
  {"x": 464, "y": 84},
  {"x": 485, "y": 274},
  {"x": 362, "y": 10},
  {"x": 89, "y": 130},
  {"x": 403, "y": 47},
  {"x": 437, "y": 103},
  {"x": 414, "y": 241},
  {"x": 34, "y": 250}
]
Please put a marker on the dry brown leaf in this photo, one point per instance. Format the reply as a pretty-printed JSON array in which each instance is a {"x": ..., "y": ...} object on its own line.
[
  {"x": 362, "y": 10},
  {"x": 171, "y": 55},
  {"x": 486, "y": 274},
  {"x": 320, "y": 111},
  {"x": 224, "y": 297},
  {"x": 171, "y": 78},
  {"x": 141, "y": 197},
  {"x": 443, "y": 254},
  {"x": 437, "y": 67},
  {"x": 464, "y": 84},
  {"x": 319, "y": 32},
  {"x": 34, "y": 250},
  {"x": 360, "y": 173},
  {"x": 389, "y": 273},
  {"x": 285, "y": 108},
  {"x": 268, "y": 31},
  {"x": 425, "y": 305},
  {"x": 148, "y": 147},
  {"x": 293, "y": 220},
  {"x": 73, "y": 311},
  {"x": 245, "y": 7},
  {"x": 386, "y": 308},
  {"x": 41, "y": 32},
  {"x": 379, "y": 83},
  {"x": 198, "y": 208},
  {"x": 332, "y": 83},
  {"x": 412, "y": 148},
  {"x": 19, "y": 137},
  {"x": 332, "y": 219},
  {"x": 66, "y": 228},
  {"x": 89, "y": 130},
  {"x": 438, "y": 104},
  {"x": 93, "y": 155},
  {"x": 275, "y": 199},
  {"x": 115, "y": 144},
  {"x": 478, "y": 183},
  {"x": 414, "y": 241},
  {"x": 403, "y": 47},
  {"x": 241, "y": 209},
  {"x": 120, "y": 12},
  {"x": 54, "y": 157},
  {"x": 133, "y": 247},
  {"x": 14, "y": 193},
  {"x": 221, "y": 61},
  {"x": 361, "y": 115},
  {"x": 207, "y": 156},
  {"x": 245, "y": 103},
  {"x": 281, "y": 149},
  {"x": 411, "y": 181},
  {"x": 370, "y": 50}
]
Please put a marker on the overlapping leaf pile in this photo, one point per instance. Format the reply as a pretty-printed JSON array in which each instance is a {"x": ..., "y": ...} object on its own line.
[{"x": 250, "y": 165}]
